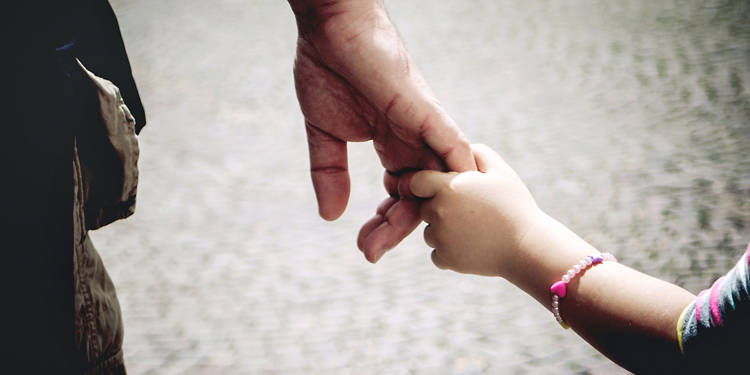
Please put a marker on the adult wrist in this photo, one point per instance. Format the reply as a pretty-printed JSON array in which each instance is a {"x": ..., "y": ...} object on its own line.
[{"x": 311, "y": 14}]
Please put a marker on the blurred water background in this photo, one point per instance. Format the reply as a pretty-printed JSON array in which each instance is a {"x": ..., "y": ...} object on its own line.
[{"x": 628, "y": 120}]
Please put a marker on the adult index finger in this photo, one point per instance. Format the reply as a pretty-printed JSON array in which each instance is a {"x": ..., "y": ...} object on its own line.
[{"x": 444, "y": 137}]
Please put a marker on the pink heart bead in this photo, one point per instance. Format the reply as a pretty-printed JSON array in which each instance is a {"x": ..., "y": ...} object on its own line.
[{"x": 559, "y": 288}]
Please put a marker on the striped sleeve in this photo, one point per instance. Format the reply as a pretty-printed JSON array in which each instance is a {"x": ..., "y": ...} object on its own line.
[{"x": 714, "y": 329}]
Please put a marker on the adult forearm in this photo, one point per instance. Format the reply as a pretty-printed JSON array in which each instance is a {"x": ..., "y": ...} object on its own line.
[
  {"x": 322, "y": 9},
  {"x": 628, "y": 316}
]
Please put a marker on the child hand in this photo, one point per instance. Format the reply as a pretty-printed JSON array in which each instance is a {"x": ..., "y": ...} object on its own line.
[{"x": 476, "y": 219}]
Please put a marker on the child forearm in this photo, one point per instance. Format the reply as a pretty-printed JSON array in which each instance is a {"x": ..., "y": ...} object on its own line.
[
  {"x": 628, "y": 316},
  {"x": 487, "y": 223}
]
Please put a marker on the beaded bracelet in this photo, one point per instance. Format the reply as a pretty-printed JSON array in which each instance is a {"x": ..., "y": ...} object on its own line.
[{"x": 559, "y": 289}]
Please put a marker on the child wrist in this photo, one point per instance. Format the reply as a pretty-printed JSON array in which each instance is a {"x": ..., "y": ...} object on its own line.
[{"x": 559, "y": 289}]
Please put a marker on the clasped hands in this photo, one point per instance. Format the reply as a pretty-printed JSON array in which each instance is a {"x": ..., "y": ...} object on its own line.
[{"x": 355, "y": 82}]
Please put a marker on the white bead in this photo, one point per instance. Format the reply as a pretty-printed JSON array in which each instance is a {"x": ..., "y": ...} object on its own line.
[
  {"x": 571, "y": 274},
  {"x": 577, "y": 268},
  {"x": 583, "y": 264},
  {"x": 555, "y": 303},
  {"x": 555, "y": 297},
  {"x": 566, "y": 279},
  {"x": 556, "y": 310},
  {"x": 588, "y": 261}
]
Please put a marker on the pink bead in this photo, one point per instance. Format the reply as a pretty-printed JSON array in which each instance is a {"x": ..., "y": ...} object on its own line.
[{"x": 559, "y": 288}]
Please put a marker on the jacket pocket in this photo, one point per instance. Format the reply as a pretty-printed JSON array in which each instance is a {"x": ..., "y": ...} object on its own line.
[{"x": 107, "y": 149}]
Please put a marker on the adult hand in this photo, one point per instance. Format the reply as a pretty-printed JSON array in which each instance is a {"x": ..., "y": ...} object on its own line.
[{"x": 355, "y": 81}]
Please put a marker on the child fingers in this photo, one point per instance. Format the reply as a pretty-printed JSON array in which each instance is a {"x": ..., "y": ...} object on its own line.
[
  {"x": 486, "y": 158},
  {"x": 438, "y": 261},
  {"x": 431, "y": 240},
  {"x": 430, "y": 237},
  {"x": 425, "y": 184}
]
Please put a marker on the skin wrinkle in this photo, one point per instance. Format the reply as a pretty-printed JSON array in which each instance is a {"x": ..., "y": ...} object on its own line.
[
  {"x": 314, "y": 16},
  {"x": 391, "y": 103},
  {"x": 424, "y": 129},
  {"x": 384, "y": 137},
  {"x": 323, "y": 31},
  {"x": 379, "y": 140},
  {"x": 312, "y": 130},
  {"x": 523, "y": 237},
  {"x": 329, "y": 170},
  {"x": 426, "y": 162},
  {"x": 354, "y": 95},
  {"x": 325, "y": 28},
  {"x": 352, "y": 92},
  {"x": 350, "y": 39},
  {"x": 397, "y": 98}
]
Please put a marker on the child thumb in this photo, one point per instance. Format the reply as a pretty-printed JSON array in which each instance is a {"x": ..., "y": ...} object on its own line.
[{"x": 425, "y": 184}]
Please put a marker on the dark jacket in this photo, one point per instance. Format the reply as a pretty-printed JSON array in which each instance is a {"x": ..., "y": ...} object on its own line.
[{"x": 60, "y": 175}]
